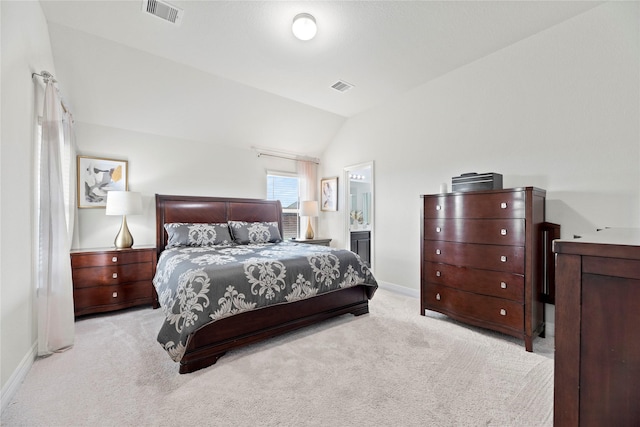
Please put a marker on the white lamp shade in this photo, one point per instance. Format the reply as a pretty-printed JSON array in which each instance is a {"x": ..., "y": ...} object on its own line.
[
  {"x": 123, "y": 203},
  {"x": 304, "y": 26},
  {"x": 309, "y": 208}
]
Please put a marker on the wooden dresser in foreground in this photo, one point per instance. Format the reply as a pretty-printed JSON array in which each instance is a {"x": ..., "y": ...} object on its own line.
[
  {"x": 597, "y": 326},
  {"x": 111, "y": 279},
  {"x": 482, "y": 260}
]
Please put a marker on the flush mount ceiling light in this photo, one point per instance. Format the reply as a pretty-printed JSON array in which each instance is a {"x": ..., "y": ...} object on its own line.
[{"x": 304, "y": 26}]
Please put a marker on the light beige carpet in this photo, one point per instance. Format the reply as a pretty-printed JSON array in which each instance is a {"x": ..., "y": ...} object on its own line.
[{"x": 391, "y": 367}]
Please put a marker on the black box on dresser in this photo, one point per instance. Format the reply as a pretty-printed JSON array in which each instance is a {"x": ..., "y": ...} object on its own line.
[{"x": 476, "y": 182}]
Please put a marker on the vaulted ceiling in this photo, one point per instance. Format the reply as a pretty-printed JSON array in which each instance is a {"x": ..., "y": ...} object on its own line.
[{"x": 233, "y": 73}]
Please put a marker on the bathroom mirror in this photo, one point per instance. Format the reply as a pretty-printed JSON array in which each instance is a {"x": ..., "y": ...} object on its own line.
[{"x": 359, "y": 210}]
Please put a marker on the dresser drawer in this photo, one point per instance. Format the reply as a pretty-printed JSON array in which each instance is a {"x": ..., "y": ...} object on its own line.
[
  {"x": 495, "y": 283},
  {"x": 488, "y": 257},
  {"x": 480, "y": 308},
  {"x": 615, "y": 267},
  {"x": 106, "y": 298},
  {"x": 111, "y": 275},
  {"x": 490, "y": 231},
  {"x": 508, "y": 204},
  {"x": 110, "y": 258}
]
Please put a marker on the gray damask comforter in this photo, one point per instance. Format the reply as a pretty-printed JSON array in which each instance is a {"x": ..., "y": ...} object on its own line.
[{"x": 199, "y": 285}]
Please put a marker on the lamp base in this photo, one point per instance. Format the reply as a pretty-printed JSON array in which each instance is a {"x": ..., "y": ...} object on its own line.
[
  {"x": 124, "y": 239},
  {"x": 309, "y": 234}
]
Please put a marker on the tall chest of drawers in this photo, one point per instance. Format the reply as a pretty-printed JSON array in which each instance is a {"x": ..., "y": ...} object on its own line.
[
  {"x": 482, "y": 259},
  {"x": 110, "y": 279}
]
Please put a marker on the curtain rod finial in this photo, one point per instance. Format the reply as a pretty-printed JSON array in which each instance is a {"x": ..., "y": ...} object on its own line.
[{"x": 46, "y": 76}]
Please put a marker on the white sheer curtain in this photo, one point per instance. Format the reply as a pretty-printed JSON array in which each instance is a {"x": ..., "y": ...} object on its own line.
[
  {"x": 307, "y": 175},
  {"x": 69, "y": 174},
  {"x": 55, "y": 290}
]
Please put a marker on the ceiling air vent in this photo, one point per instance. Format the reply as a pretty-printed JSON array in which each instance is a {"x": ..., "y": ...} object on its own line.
[
  {"x": 163, "y": 10},
  {"x": 341, "y": 86}
]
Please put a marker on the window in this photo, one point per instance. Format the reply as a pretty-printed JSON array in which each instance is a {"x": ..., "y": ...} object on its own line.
[{"x": 284, "y": 187}]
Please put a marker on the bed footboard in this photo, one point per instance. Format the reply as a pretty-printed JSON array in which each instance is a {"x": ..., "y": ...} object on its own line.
[{"x": 208, "y": 344}]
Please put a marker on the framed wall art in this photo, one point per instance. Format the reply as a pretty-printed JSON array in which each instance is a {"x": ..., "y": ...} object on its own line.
[
  {"x": 96, "y": 177},
  {"x": 329, "y": 194}
]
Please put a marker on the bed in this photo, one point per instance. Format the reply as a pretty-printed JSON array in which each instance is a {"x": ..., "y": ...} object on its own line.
[{"x": 199, "y": 281}]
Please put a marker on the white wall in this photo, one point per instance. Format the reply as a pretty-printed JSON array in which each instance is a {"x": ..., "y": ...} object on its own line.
[
  {"x": 25, "y": 49},
  {"x": 559, "y": 110},
  {"x": 162, "y": 165},
  {"x": 152, "y": 94}
]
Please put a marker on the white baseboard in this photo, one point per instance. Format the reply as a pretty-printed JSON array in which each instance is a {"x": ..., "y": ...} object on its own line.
[
  {"x": 550, "y": 329},
  {"x": 12, "y": 385},
  {"x": 414, "y": 293}
]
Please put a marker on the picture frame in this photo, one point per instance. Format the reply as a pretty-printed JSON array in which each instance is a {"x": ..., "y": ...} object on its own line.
[
  {"x": 329, "y": 194},
  {"x": 96, "y": 177}
]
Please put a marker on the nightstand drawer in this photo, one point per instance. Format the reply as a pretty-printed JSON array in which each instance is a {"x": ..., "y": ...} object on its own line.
[
  {"x": 110, "y": 258},
  {"x": 489, "y": 231},
  {"x": 107, "y": 298},
  {"x": 315, "y": 241},
  {"x": 487, "y": 282},
  {"x": 111, "y": 275},
  {"x": 480, "y": 308}
]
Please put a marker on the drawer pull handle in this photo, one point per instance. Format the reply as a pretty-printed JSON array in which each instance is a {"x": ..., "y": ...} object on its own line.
[
  {"x": 438, "y": 229},
  {"x": 438, "y": 207},
  {"x": 503, "y": 285},
  {"x": 438, "y": 296},
  {"x": 503, "y": 258},
  {"x": 503, "y": 231},
  {"x": 114, "y": 259},
  {"x": 115, "y": 295},
  {"x": 503, "y": 205},
  {"x": 114, "y": 275},
  {"x": 438, "y": 273},
  {"x": 438, "y": 251},
  {"x": 503, "y": 312}
]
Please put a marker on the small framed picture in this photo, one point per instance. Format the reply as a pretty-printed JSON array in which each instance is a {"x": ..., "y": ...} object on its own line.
[
  {"x": 96, "y": 177},
  {"x": 329, "y": 194}
]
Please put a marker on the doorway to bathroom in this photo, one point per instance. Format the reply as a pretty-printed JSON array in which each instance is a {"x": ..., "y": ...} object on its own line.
[{"x": 360, "y": 210}]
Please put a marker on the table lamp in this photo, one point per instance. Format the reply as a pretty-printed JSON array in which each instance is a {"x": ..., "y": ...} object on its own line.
[
  {"x": 123, "y": 203},
  {"x": 309, "y": 209}
]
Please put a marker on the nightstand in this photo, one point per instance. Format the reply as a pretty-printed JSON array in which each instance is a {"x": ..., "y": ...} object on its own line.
[
  {"x": 112, "y": 279},
  {"x": 321, "y": 242}
]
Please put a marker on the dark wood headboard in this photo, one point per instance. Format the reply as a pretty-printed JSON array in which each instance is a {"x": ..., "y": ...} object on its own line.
[{"x": 211, "y": 209}]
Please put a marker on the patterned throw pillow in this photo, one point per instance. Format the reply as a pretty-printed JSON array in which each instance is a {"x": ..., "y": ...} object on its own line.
[
  {"x": 197, "y": 234},
  {"x": 254, "y": 232}
]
